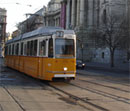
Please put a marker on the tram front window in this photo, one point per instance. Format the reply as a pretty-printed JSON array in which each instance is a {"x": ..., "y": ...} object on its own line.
[{"x": 64, "y": 48}]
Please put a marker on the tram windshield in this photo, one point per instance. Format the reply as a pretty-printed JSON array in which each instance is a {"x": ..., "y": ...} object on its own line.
[{"x": 64, "y": 48}]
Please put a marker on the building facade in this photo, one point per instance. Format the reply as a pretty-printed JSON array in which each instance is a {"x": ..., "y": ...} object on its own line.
[
  {"x": 46, "y": 16},
  {"x": 3, "y": 15},
  {"x": 85, "y": 15},
  {"x": 128, "y": 11},
  {"x": 82, "y": 16},
  {"x": 32, "y": 22},
  {"x": 52, "y": 15}
]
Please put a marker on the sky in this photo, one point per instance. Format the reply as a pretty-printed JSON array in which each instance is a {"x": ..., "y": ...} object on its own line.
[{"x": 17, "y": 9}]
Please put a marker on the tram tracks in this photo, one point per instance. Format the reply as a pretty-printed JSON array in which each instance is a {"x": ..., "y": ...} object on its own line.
[
  {"x": 107, "y": 79},
  {"x": 72, "y": 98},
  {"x": 1, "y": 108},
  {"x": 105, "y": 94},
  {"x": 20, "y": 106},
  {"x": 89, "y": 100},
  {"x": 76, "y": 98},
  {"x": 117, "y": 82},
  {"x": 115, "y": 88}
]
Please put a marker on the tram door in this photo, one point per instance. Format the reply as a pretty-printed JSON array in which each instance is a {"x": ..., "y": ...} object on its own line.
[{"x": 42, "y": 57}]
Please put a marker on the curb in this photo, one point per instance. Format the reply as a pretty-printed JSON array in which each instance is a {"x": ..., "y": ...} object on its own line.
[{"x": 107, "y": 69}]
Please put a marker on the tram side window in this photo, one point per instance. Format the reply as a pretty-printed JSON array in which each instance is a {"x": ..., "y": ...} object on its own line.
[
  {"x": 13, "y": 49},
  {"x": 9, "y": 49},
  {"x": 31, "y": 48},
  {"x": 17, "y": 49},
  {"x": 42, "y": 48},
  {"x": 28, "y": 48},
  {"x": 25, "y": 49},
  {"x": 50, "y": 51},
  {"x": 35, "y": 48},
  {"x": 21, "y": 49}
]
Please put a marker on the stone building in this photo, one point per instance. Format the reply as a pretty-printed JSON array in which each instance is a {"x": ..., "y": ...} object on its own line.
[
  {"x": 15, "y": 33},
  {"x": 85, "y": 15},
  {"x": 32, "y": 22},
  {"x": 82, "y": 16},
  {"x": 89, "y": 13},
  {"x": 82, "y": 12},
  {"x": 3, "y": 16},
  {"x": 52, "y": 14},
  {"x": 46, "y": 16},
  {"x": 128, "y": 11}
]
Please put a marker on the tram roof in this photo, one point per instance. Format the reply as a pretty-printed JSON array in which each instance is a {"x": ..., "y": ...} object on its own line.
[
  {"x": 46, "y": 31},
  {"x": 41, "y": 31}
]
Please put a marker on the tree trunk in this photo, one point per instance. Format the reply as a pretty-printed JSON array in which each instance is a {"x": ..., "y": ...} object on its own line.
[{"x": 112, "y": 58}]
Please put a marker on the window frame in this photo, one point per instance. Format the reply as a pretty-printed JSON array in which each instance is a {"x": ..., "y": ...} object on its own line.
[
  {"x": 46, "y": 38},
  {"x": 32, "y": 50},
  {"x": 21, "y": 48}
]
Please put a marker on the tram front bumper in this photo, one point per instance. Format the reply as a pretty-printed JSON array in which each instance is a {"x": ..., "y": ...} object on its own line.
[{"x": 64, "y": 75}]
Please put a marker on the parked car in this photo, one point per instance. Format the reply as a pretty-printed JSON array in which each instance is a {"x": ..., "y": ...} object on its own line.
[{"x": 80, "y": 64}]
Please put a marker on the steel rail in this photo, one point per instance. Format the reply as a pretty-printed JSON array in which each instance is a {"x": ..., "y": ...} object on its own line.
[
  {"x": 118, "y": 98},
  {"x": 78, "y": 98},
  {"x": 105, "y": 85},
  {"x": 13, "y": 98}
]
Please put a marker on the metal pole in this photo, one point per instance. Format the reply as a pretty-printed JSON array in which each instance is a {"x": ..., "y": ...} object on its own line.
[{"x": 82, "y": 45}]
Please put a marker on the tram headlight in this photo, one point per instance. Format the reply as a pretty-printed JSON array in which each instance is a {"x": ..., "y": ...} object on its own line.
[
  {"x": 65, "y": 68},
  {"x": 83, "y": 64}
]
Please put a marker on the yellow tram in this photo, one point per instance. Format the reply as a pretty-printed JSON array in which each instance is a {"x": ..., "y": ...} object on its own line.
[{"x": 46, "y": 53}]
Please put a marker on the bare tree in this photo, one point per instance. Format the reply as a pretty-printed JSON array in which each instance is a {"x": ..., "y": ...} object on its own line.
[
  {"x": 111, "y": 34},
  {"x": 125, "y": 42}
]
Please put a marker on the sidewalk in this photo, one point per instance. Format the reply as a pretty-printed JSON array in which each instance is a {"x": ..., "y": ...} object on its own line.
[{"x": 119, "y": 68}]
